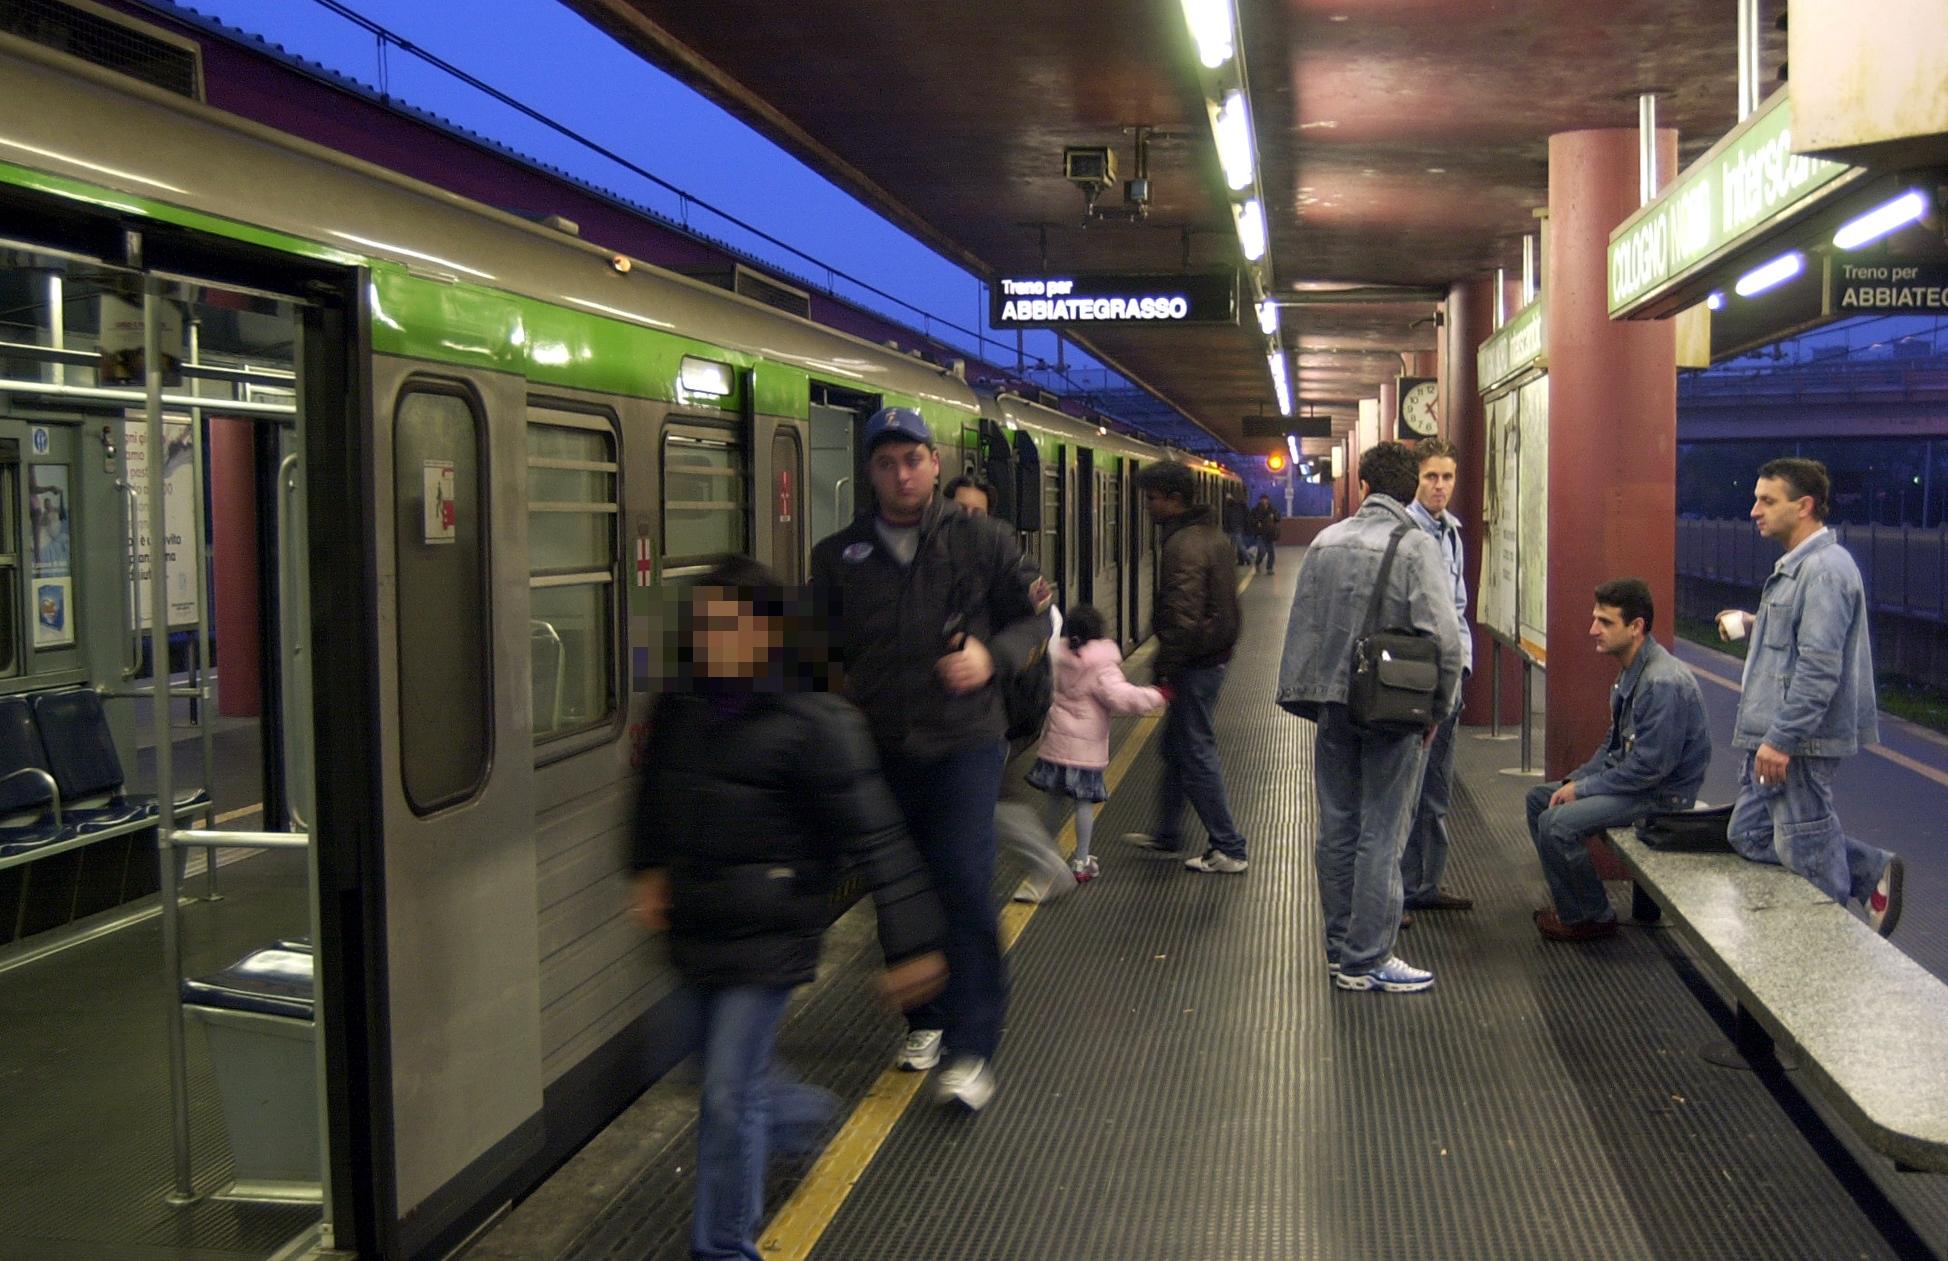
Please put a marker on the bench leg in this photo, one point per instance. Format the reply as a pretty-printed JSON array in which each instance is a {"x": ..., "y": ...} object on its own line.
[
  {"x": 1749, "y": 1049},
  {"x": 1643, "y": 907}
]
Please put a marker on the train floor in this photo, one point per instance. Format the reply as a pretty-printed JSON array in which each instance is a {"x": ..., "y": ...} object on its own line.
[{"x": 1180, "y": 1081}]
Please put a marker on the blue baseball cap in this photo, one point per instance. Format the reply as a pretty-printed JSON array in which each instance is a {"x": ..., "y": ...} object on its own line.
[{"x": 902, "y": 423}]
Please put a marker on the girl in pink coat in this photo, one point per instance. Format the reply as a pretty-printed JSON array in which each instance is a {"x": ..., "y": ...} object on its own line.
[{"x": 1089, "y": 687}]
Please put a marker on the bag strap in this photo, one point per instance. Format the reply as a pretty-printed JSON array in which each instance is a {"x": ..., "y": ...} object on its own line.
[{"x": 1386, "y": 571}]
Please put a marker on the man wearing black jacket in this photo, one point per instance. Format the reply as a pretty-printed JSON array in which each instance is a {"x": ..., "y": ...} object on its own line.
[
  {"x": 934, "y": 611},
  {"x": 1196, "y": 623}
]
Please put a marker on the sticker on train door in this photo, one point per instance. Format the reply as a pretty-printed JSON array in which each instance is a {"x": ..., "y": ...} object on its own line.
[{"x": 441, "y": 515}]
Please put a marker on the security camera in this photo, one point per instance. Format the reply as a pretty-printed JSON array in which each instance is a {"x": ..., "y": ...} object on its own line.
[{"x": 1092, "y": 168}]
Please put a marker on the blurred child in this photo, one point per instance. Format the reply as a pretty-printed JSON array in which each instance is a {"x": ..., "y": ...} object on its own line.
[
  {"x": 760, "y": 793},
  {"x": 1089, "y": 687}
]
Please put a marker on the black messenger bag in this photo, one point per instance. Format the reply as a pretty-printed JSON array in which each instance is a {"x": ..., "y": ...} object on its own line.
[
  {"x": 1395, "y": 672},
  {"x": 1701, "y": 831}
]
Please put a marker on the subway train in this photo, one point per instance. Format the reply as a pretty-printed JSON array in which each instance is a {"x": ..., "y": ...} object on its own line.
[{"x": 451, "y": 459}]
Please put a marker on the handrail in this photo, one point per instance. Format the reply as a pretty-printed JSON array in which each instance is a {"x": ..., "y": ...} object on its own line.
[
  {"x": 53, "y": 788},
  {"x": 203, "y": 838},
  {"x": 838, "y": 500},
  {"x": 287, "y": 486},
  {"x": 188, "y": 402},
  {"x": 134, "y": 663}
]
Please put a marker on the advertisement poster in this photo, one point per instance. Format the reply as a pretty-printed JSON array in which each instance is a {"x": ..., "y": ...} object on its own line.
[
  {"x": 178, "y": 508},
  {"x": 1532, "y": 415},
  {"x": 50, "y": 544},
  {"x": 1495, "y": 605},
  {"x": 441, "y": 518}
]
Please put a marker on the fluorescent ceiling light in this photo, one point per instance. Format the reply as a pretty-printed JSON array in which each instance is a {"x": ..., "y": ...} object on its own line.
[
  {"x": 1780, "y": 269},
  {"x": 1268, "y": 317},
  {"x": 1716, "y": 300},
  {"x": 1251, "y": 229},
  {"x": 1210, "y": 28},
  {"x": 1280, "y": 381},
  {"x": 1231, "y": 126},
  {"x": 1879, "y": 221},
  {"x": 1292, "y": 445}
]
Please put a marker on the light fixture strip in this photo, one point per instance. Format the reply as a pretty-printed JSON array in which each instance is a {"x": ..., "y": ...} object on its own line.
[
  {"x": 1778, "y": 271},
  {"x": 1881, "y": 220}
]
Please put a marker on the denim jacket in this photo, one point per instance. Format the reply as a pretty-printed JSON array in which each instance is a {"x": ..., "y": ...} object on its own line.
[
  {"x": 1809, "y": 674},
  {"x": 1329, "y": 607},
  {"x": 1660, "y": 739}
]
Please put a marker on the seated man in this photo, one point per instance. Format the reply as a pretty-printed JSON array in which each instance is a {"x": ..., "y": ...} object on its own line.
[{"x": 1655, "y": 759}]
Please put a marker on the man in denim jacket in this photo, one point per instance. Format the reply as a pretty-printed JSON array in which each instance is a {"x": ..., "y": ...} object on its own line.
[
  {"x": 1808, "y": 700},
  {"x": 1656, "y": 757},
  {"x": 1367, "y": 782}
]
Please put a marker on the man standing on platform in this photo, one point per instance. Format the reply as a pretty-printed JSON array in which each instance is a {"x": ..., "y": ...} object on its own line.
[
  {"x": 1196, "y": 623},
  {"x": 1367, "y": 780},
  {"x": 1807, "y": 700},
  {"x": 935, "y": 608},
  {"x": 1655, "y": 759},
  {"x": 1425, "y": 857},
  {"x": 1264, "y": 525}
]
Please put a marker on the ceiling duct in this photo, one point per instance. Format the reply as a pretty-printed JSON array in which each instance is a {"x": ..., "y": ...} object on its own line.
[
  {"x": 110, "y": 40},
  {"x": 755, "y": 285}
]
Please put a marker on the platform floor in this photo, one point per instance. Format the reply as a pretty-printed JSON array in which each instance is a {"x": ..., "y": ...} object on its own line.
[{"x": 1181, "y": 1082}]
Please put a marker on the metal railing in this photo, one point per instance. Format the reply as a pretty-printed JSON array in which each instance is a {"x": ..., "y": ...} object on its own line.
[{"x": 1903, "y": 568}]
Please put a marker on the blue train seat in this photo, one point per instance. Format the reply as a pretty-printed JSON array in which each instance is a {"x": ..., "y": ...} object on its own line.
[
  {"x": 274, "y": 981},
  {"x": 81, "y": 753},
  {"x": 27, "y": 790}
]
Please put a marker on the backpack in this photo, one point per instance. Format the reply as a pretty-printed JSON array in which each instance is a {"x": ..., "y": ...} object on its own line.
[{"x": 1027, "y": 695}]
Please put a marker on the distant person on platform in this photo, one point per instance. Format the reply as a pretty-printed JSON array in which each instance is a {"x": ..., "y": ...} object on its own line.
[
  {"x": 935, "y": 609},
  {"x": 1264, "y": 527},
  {"x": 1237, "y": 524},
  {"x": 1425, "y": 858},
  {"x": 1196, "y": 623},
  {"x": 1655, "y": 758},
  {"x": 972, "y": 493},
  {"x": 1807, "y": 700},
  {"x": 1366, "y": 781}
]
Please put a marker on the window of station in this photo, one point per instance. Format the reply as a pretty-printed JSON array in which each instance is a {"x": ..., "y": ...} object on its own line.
[
  {"x": 704, "y": 495},
  {"x": 572, "y": 567},
  {"x": 445, "y": 723}
]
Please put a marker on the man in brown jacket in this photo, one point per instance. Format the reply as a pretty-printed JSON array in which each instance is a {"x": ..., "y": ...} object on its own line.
[{"x": 1196, "y": 624}]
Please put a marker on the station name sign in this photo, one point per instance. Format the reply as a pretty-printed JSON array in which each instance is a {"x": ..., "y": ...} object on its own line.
[
  {"x": 1149, "y": 299},
  {"x": 1279, "y": 427},
  {"x": 1747, "y": 181},
  {"x": 1521, "y": 344}
]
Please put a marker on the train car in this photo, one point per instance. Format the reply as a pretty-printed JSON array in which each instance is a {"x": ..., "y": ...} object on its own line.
[{"x": 445, "y": 460}]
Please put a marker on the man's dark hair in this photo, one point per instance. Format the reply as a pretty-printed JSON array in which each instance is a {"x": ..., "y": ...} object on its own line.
[
  {"x": 1167, "y": 477},
  {"x": 970, "y": 481},
  {"x": 1806, "y": 477},
  {"x": 1629, "y": 597},
  {"x": 1435, "y": 449},
  {"x": 1391, "y": 469}
]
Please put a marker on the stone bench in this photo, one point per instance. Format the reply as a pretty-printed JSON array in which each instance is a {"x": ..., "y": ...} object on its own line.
[{"x": 1866, "y": 1024}]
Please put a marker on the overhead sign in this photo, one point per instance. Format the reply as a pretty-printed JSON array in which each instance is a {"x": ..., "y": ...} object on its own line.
[
  {"x": 1144, "y": 299},
  {"x": 1279, "y": 426},
  {"x": 1521, "y": 344},
  {"x": 1885, "y": 286},
  {"x": 1747, "y": 181}
]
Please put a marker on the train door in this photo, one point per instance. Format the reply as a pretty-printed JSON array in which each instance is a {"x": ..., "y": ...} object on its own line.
[
  {"x": 784, "y": 512},
  {"x": 832, "y": 491},
  {"x": 1143, "y": 552},
  {"x": 1049, "y": 479},
  {"x": 1071, "y": 519},
  {"x": 1088, "y": 539},
  {"x": 1109, "y": 529}
]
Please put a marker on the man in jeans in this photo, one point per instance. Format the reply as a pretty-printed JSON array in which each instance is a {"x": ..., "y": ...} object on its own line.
[
  {"x": 1367, "y": 781},
  {"x": 1425, "y": 858},
  {"x": 1807, "y": 700},
  {"x": 1196, "y": 625},
  {"x": 1656, "y": 757}
]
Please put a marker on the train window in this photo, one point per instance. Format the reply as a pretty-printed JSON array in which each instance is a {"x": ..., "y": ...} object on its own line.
[
  {"x": 704, "y": 495},
  {"x": 572, "y": 566},
  {"x": 9, "y": 558},
  {"x": 440, "y": 538}
]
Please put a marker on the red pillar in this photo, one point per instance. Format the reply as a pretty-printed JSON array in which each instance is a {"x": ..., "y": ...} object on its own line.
[
  {"x": 233, "y": 535},
  {"x": 1612, "y": 432}
]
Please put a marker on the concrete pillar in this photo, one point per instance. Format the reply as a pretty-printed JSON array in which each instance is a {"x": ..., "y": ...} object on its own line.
[
  {"x": 1470, "y": 321},
  {"x": 233, "y": 569},
  {"x": 1612, "y": 432},
  {"x": 1389, "y": 411}
]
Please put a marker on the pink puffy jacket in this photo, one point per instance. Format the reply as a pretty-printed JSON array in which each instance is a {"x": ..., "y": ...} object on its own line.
[{"x": 1089, "y": 687}]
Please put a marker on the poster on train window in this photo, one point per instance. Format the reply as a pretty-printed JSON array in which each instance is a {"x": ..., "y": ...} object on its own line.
[
  {"x": 178, "y": 511},
  {"x": 1532, "y": 416},
  {"x": 50, "y": 548},
  {"x": 441, "y": 518}
]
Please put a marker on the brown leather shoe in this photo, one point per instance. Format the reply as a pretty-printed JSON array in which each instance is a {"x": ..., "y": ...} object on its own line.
[
  {"x": 1550, "y": 925},
  {"x": 1406, "y": 919},
  {"x": 1444, "y": 901}
]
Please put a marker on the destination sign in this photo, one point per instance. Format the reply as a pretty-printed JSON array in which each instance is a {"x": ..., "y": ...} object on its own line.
[
  {"x": 1279, "y": 426},
  {"x": 1890, "y": 286},
  {"x": 1146, "y": 299}
]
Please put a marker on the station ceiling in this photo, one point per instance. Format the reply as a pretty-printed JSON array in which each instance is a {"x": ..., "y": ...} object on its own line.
[{"x": 1401, "y": 142}]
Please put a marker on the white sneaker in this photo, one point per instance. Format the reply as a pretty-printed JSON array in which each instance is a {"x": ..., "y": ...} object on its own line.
[
  {"x": 1395, "y": 976},
  {"x": 1030, "y": 892},
  {"x": 1218, "y": 861},
  {"x": 1085, "y": 869},
  {"x": 967, "y": 1081},
  {"x": 922, "y": 1050}
]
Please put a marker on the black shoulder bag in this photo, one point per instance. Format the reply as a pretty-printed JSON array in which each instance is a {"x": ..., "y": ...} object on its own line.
[
  {"x": 1700, "y": 831},
  {"x": 1395, "y": 672}
]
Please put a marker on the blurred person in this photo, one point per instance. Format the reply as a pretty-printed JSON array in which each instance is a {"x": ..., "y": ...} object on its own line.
[
  {"x": 1196, "y": 623},
  {"x": 935, "y": 611},
  {"x": 759, "y": 794},
  {"x": 1424, "y": 860},
  {"x": 1807, "y": 700},
  {"x": 1366, "y": 780},
  {"x": 1264, "y": 526},
  {"x": 1235, "y": 525},
  {"x": 974, "y": 494},
  {"x": 1089, "y": 688},
  {"x": 1655, "y": 758}
]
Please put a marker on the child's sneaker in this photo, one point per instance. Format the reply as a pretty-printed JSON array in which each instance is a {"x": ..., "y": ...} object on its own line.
[
  {"x": 1085, "y": 869},
  {"x": 1031, "y": 892}
]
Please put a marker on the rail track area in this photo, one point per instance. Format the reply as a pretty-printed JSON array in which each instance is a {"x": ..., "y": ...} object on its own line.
[{"x": 1181, "y": 1082}]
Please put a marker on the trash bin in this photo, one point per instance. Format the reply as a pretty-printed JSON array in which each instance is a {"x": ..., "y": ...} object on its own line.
[{"x": 258, "y": 1017}]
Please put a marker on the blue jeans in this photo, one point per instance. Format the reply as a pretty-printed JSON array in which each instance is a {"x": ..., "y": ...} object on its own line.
[
  {"x": 1425, "y": 857},
  {"x": 1190, "y": 764},
  {"x": 1364, "y": 782},
  {"x": 949, "y": 808},
  {"x": 1558, "y": 833},
  {"x": 747, "y": 1107},
  {"x": 1793, "y": 824}
]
